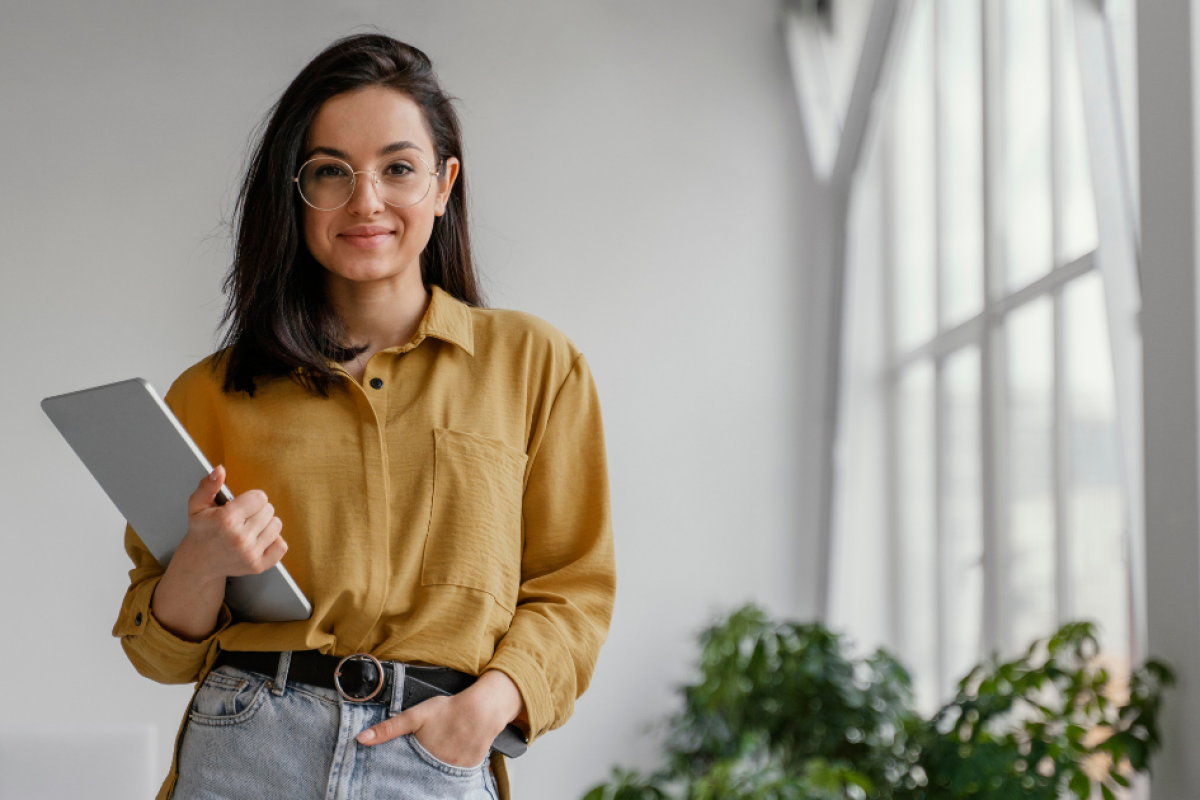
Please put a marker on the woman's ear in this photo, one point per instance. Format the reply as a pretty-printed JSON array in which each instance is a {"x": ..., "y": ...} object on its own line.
[{"x": 445, "y": 183}]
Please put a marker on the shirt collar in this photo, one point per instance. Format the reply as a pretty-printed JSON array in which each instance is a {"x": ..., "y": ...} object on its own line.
[{"x": 447, "y": 318}]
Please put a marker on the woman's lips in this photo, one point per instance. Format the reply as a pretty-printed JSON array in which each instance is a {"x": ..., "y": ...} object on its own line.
[{"x": 365, "y": 242}]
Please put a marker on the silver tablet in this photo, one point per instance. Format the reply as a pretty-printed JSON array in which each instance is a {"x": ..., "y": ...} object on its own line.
[{"x": 146, "y": 462}]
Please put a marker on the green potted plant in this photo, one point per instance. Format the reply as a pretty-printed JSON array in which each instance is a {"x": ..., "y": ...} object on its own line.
[{"x": 781, "y": 712}]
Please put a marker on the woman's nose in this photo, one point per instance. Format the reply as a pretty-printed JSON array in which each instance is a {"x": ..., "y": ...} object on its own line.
[{"x": 365, "y": 197}]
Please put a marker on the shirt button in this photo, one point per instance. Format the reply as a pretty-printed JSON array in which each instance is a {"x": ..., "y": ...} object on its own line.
[
  {"x": 376, "y": 383},
  {"x": 138, "y": 619}
]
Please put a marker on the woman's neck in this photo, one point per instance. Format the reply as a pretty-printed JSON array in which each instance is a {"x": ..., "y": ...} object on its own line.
[{"x": 380, "y": 314}]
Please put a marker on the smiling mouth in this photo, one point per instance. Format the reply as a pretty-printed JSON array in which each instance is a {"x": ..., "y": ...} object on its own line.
[{"x": 367, "y": 241}]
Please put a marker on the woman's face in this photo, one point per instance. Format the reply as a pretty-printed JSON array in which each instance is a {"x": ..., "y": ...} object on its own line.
[{"x": 367, "y": 239}]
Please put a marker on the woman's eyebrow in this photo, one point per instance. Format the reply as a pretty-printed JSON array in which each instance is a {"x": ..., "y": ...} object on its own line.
[
  {"x": 395, "y": 146},
  {"x": 327, "y": 151},
  {"x": 383, "y": 151}
]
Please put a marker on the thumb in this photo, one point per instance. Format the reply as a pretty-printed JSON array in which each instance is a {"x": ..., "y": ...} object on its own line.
[{"x": 210, "y": 486}]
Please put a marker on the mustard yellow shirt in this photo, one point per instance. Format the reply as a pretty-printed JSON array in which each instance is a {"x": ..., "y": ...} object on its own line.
[{"x": 453, "y": 509}]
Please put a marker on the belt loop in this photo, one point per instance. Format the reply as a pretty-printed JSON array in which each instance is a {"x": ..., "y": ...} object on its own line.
[
  {"x": 281, "y": 673},
  {"x": 397, "y": 688}
]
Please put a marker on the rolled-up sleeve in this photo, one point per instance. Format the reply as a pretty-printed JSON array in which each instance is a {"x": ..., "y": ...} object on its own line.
[
  {"x": 154, "y": 651},
  {"x": 568, "y": 570}
]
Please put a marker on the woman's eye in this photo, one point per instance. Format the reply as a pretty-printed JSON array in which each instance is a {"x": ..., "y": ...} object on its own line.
[
  {"x": 398, "y": 168},
  {"x": 329, "y": 171}
]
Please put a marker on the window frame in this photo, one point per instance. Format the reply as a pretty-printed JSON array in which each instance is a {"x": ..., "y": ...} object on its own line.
[{"x": 985, "y": 330}]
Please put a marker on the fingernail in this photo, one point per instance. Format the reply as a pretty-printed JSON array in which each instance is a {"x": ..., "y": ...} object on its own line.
[
  {"x": 212, "y": 476},
  {"x": 366, "y": 735}
]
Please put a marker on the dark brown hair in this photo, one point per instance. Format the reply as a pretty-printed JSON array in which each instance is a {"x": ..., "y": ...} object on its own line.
[{"x": 280, "y": 320}]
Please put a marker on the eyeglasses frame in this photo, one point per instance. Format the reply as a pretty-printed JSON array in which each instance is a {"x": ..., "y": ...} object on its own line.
[{"x": 433, "y": 173}]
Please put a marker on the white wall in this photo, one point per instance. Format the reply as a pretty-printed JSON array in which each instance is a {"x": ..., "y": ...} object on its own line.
[
  {"x": 639, "y": 181},
  {"x": 1169, "y": 139}
]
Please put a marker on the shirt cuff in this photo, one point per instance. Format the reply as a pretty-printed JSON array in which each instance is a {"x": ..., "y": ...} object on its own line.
[
  {"x": 137, "y": 619},
  {"x": 531, "y": 682}
]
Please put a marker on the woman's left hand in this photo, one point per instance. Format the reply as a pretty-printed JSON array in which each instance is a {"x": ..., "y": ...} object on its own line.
[{"x": 458, "y": 729}]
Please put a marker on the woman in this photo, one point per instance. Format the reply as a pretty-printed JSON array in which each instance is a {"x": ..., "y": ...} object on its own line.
[{"x": 431, "y": 473}]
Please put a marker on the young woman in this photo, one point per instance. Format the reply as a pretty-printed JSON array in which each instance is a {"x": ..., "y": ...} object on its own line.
[{"x": 431, "y": 473}]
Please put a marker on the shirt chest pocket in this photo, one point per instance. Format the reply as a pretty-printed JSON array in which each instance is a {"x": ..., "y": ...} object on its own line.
[{"x": 474, "y": 536}]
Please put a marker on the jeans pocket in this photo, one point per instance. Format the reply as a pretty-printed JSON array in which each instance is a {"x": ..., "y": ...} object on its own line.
[
  {"x": 435, "y": 762},
  {"x": 228, "y": 696},
  {"x": 489, "y": 778}
]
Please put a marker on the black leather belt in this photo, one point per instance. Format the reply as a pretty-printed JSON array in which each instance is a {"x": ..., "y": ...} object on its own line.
[{"x": 359, "y": 679}]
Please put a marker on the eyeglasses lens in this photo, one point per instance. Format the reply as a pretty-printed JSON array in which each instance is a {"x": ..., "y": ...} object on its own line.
[{"x": 328, "y": 183}]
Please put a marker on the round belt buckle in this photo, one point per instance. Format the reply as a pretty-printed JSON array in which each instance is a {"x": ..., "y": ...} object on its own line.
[{"x": 338, "y": 672}]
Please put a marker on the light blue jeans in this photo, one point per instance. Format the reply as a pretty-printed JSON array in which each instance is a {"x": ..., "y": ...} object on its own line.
[{"x": 250, "y": 737}]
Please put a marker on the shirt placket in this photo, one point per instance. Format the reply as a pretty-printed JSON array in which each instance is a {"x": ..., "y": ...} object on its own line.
[{"x": 372, "y": 401}]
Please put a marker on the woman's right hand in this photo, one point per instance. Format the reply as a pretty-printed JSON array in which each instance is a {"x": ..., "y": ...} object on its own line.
[{"x": 241, "y": 537}]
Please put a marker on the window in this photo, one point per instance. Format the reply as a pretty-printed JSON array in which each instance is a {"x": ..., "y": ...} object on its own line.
[{"x": 979, "y": 497}]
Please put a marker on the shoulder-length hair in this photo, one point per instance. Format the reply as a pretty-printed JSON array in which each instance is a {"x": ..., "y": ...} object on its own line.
[{"x": 280, "y": 320}]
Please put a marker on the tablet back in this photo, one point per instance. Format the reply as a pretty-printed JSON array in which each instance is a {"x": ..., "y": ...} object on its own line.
[{"x": 148, "y": 465}]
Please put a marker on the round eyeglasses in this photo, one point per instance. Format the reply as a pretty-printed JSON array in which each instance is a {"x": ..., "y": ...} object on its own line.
[{"x": 327, "y": 183}]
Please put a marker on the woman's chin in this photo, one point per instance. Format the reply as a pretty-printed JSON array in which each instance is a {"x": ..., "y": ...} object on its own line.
[{"x": 362, "y": 270}]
